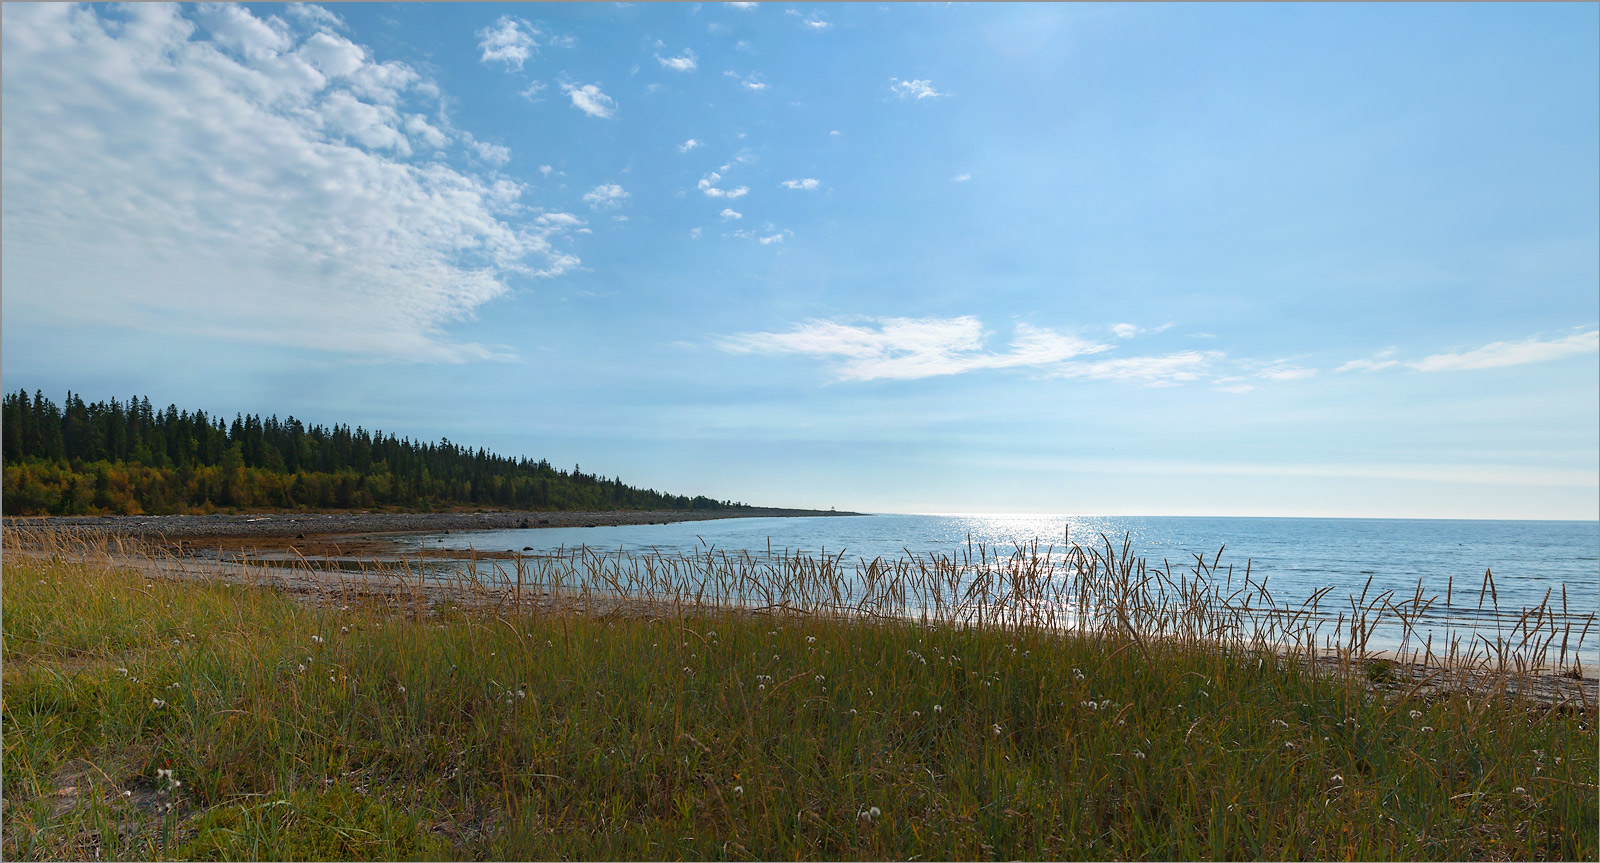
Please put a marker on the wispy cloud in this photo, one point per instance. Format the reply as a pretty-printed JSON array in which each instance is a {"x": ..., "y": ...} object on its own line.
[
  {"x": 684, "y": 63},
  {"x": 1164, "y": 370},
  {"x": 1128, "y": 331},
  {"x": 510, "y": 41},
  {"x": 960, "y": 178},
  {"x": 708, "y": 186},
  {"x": 743, "y": 7},
  {"x": 916, "y": 91},
  {"x": 1282, "y": 371},
  {"x": 688, "y": 145},
  {"x": 589, "y": 99},
  {"x": 729, "y": 213},
  {"x": 1500, "y": 354},
  {"x": 605, "y": 195},
  {"x": 910, "y": 348},
  {"x": 751, "y": 82},
  {"x": 807, "y": 184},
  {"x": 308, "y": 224},
  {"x": 814, "y": 22}
]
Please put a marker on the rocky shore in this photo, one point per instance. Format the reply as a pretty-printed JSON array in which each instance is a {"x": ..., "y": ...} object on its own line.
[{"x": 293, "y": 525}]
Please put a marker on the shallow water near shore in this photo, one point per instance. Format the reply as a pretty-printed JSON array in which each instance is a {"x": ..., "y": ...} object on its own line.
[{"x": 1533, "y": 562}]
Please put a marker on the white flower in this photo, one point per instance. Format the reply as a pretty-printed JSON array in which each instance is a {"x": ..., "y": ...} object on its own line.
[
  {"x": 738, "y": 790},
  {"x": 1416, "y": 714},
  {"x": 346, "y": 629},
  {"x": 820, "y": 678},
  {"x": 869, "y": 813},
  {"x": 316, "y": 639},
  {"x": 1280, "y": 722},
  {"x": 996, "y": 729},
  {"x": 1519, "y": 790},
  {"x": 811, "y": 639},
  {"x": 401, "y": 687},
  {"x": 1426, "y": 728},
  {"x": 915, "y": 713},
  {"x": 157, "y": 703},
  {"x": 1339, "y": 778},
  {"x": 938, "y": 709},
  {"x": 1139, "y": 755},
  {"x": 1288, "y": 745}
]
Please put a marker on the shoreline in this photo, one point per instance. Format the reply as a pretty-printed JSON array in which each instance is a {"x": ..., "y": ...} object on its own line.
[
  {"x": 393, "y": 587},
  {"x": 302, "y": 525}
]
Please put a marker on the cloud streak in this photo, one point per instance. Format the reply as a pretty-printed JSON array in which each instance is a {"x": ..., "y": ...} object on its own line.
[
  {"x": 911, "y": 348},
  {"x": 1501, "y": 354}
]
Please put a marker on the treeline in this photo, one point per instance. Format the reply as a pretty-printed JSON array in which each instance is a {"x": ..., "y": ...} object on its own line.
[{"x": 129, "y": 458}]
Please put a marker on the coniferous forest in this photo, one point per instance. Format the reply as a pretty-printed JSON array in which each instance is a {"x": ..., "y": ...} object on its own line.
[{"x": 129, "y": 458}]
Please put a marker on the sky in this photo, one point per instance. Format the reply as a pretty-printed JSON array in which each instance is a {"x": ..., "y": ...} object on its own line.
[{"x": 1298, "y": 260}]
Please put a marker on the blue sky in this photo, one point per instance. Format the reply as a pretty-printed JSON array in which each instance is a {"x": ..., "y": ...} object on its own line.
[{"x": 1319, "y": 260}]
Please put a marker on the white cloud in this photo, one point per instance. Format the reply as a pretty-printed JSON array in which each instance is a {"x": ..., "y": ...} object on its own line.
[
  {"x": 769, "y": 240},
  {"x": 685, "y": 63},
  {"x": 1128, "y": 331},
  {"x": 743, "y": 7},
  {"x": 494, "y": 154},
  {"x": 960, "y": 178},
  {"x": 815, "y": 21},
  {"x": 729, "y": 213},
  {"x": 834, "y": 133},
  {"x": 606, "y": 195},
  {"x": 808, "y": 184},
  {"x": 688, "y": 145},
  {"x": 1286, "y": 373},
  {"x": 1499, "y": 354},
  {"x": 751, "y": 82},
  {"x": 532, "y": 91},
  {"x": 1165, "y": 370},
  {"x": 694, "y": 233},
  {"x": 915, "y": 90},
  {"x": 314, "y": 16},
  {"x": 255, "y": 189},
  {"x": 590, "y": 100},
  {"x": 708, "y": 186},
  {"x": 909, "y": 348},
  {"x": 509, "y": 40}
]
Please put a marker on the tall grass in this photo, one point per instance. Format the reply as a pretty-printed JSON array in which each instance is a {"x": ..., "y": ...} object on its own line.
[{"x": 721, "y": 706}]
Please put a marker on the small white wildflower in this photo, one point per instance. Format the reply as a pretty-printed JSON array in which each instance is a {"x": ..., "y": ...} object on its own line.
[
  {"x": 300, "y": 669},
  {"x": 1280, "y": 723},
  {"x": 1139, "y": 755},
  {"x": 316, "y": 639},
  {"x": 811, "y": 639},
  {"x": 122, "y": 671},
  {"x": 1416, "y": 714},
  {"x": 1426, "y": 728},
  {"x": 1289, "y": 745},
  {"x": 762, "y": 686},
  {"x": 1519, "y": 790},
  {"x": 401, "y": 687},
  {"x": 852, "y": 711},
  {"x": 1337, "y": 777},
  {"x": 820, "y": 678},
  {"x": 346, "y": 629},
  {"x": 996, "y": 729},
  {"x": 176, "y": 685},
  {"x": 127, "y": 794},
  {"x": 738, "y": 790},
  {"x": 915, "y": 713},
  {"x": 157, "y": 703}
]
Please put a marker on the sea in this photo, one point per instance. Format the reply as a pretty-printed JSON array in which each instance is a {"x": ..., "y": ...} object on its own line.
[{"x": 1529, "y": 563}]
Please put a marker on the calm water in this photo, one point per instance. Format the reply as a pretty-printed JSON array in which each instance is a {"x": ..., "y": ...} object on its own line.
[{"x": 1296, "y": 556}]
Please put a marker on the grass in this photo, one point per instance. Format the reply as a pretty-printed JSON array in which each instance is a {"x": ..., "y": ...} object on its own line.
[{"x": 150, "y": 718}]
